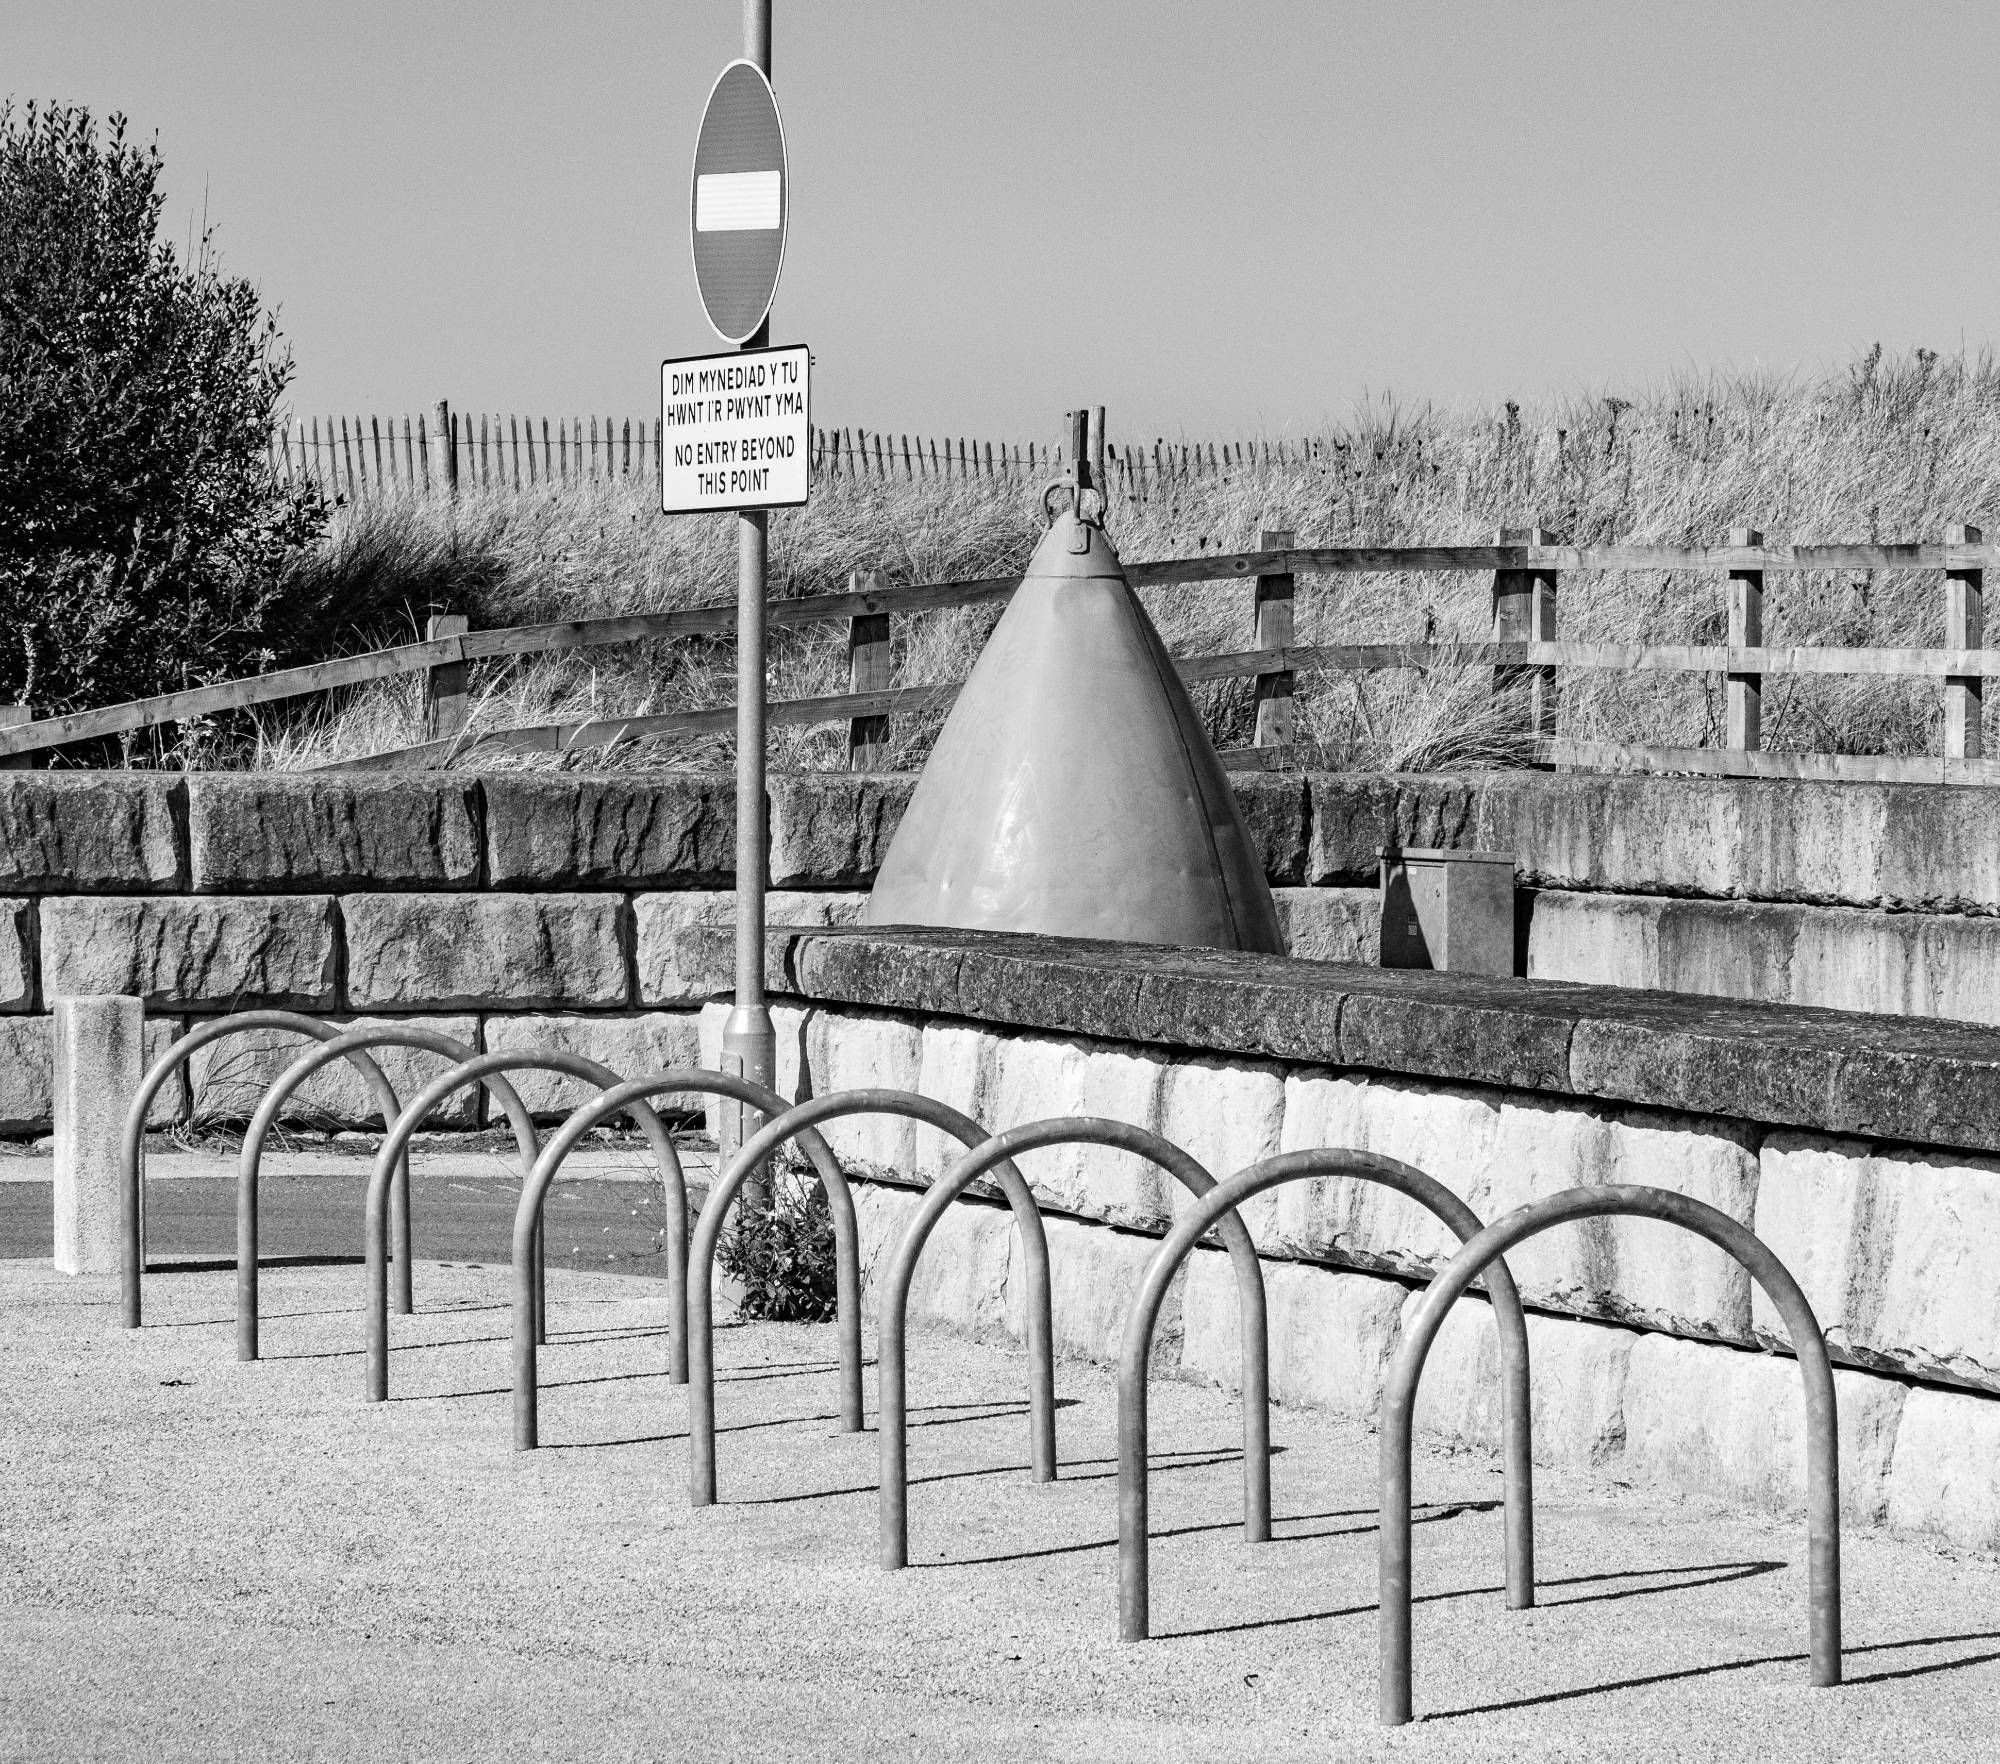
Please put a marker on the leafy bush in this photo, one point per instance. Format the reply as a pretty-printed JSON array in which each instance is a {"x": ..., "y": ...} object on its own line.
[
  {"x": 144, "y": 540},
  {"x": 784, "y": 1255}
]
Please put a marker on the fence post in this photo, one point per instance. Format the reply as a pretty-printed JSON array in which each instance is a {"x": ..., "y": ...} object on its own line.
[
  {"x": 1964, "y": 628},
  {"x": 870, "y": 668},
  {"x": 444, "y": 451},
  {"x": 1524, "y": 611},
  {"x": 1746, "y": 631},
  {"x": 1274, "y": 631},
  {"x": 445, "y": 698},
  {"x": 11, "y": 717}
]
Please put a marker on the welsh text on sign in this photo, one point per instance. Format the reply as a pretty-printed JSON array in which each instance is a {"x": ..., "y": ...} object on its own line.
[{"x": 735, "y": 430}]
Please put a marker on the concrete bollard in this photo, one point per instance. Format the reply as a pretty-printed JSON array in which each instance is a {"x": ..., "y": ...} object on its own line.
[{"x": 100, "y": 1059}]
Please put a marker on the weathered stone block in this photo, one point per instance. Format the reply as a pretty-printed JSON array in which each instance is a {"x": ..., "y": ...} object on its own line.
[
  {"x": 1330, "y": 1334},
  {"x": 1596, "y": 939},
  {"x": 702, "y": 958},
  {"x": 1497, "y": 1151},
  {"x": 1905, "y": 964},
  {"x": 832, "y": 829},
  {"x": 1094, "y": 1275},
  {"x": 1224, "y": 1114},
  {"x": 89, "y": 833},
  {"x": 1632, "y": 1270},
  {"x": 850, "y": 1051},
  {"x": 1896, "y": 1250},
  {"x": 1004, "y": 1081},
  {"x": 1945, "y": 1478},
  {"x": 279, "y": 832},
  {"x": 667, "y": 976},
  {"x": 1456, "y": 1026},
  {"x": 1356, "y": 813},
  {"x": 27, "y": 1074},
  {"x": 227, "y": 1079},
  {"x": 632, "y": 1046},
  {"x": 192, "y": 954},
  {"x": 17, "y": 955},
  {"x": 1576, "y": 1371},
  {"x": 455, "y": 952},
  {"x": 1925, "y": 848},
  {"x": 1451, "y": 1134},
  {"x": 1274, "y": 811},
  {"x": 1717, "y": 1421},
  {"x": 1640, "y": 835},
  {"x": 1836, "y": 958},
  {"x": 616, "y": 830},
  {"x": 1332, "y": 924},
  {"x": 961, "y": 1277},
  {"x": 1938, "y": 850},
  {"x": 1890, "y": 1078}
]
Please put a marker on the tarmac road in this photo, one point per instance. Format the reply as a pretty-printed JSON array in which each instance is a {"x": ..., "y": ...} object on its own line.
[
  {"x": 310, "y": 1208},
  {"x": 206, "y": 1559}
]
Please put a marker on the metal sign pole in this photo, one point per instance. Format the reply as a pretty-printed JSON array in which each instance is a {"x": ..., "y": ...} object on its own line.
[{"x": 749, "y": 1042}]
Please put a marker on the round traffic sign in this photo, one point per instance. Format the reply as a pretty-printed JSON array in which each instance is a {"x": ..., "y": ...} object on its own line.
[{"x": 740, "y": 201}]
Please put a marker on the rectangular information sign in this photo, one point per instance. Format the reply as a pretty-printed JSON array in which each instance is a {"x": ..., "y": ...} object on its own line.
[{"x": 735, "y": 430}]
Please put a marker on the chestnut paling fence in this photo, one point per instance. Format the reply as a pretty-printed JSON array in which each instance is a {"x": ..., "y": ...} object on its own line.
[
  {"x": 359, "y": 459},
  {"x": 1214, "y": 1206},
  {"x": 1526, "y": 569}
]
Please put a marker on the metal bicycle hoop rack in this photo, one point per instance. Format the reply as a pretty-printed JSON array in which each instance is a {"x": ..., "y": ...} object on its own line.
[{"x": 1214, "y": 1210}]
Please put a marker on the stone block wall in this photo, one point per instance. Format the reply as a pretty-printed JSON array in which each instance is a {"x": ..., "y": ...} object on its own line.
[
  {"x": 1655, "y": 1356},
  {"x": 527, "y": 892},
  {"x": 535, "y": 892},
  {"x": 495, "y": 910}
]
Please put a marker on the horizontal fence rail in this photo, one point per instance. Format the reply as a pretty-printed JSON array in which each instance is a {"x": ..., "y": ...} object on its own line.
[{"x": 1524, "y": 654}]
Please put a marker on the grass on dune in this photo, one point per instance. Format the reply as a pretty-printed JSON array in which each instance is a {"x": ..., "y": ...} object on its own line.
[{"x": 1885, "y": 449}]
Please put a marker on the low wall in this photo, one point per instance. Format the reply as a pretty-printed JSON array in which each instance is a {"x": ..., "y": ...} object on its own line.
[
  {"x": 1862, "y": 1151},
  {"x": 494, "y": 910},
  {"x": 486, "y": 900}
]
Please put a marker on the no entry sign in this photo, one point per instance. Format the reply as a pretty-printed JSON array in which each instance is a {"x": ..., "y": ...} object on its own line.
[
  {"x": 735, "y": 431},
  {"x": 740, "y": 200}
]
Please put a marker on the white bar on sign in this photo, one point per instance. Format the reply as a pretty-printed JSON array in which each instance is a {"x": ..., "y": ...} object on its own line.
[{"x": 736, "y": 202}]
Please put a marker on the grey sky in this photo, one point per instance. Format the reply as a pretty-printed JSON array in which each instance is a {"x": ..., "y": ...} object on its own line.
[{"x": 1214, "y": 219}]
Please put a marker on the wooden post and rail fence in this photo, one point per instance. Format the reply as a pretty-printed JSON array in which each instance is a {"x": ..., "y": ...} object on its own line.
[{"x": 1524, "y": 652}]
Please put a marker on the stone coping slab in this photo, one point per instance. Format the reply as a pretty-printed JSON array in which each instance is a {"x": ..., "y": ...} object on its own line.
[{"x": 1885, "y": 1078}]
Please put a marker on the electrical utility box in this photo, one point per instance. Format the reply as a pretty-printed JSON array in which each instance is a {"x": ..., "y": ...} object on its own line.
[{"x": 1451, "y": 910}]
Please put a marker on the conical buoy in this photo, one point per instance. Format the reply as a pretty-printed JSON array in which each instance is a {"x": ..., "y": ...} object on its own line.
[{"x": 1073, "y": 791}]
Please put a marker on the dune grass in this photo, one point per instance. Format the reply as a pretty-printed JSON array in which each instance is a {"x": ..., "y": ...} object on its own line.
[{"x": 1886, "y": 449}]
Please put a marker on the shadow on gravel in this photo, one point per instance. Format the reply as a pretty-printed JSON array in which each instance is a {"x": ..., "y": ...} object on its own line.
[
  {"x": 453, "y": 1396},
  {"x": 797, "y": 1369},
  {"x": 563, "y": 1337},
  {"x": 227, "y": 1264},
  {"x": 988, "y": 1412},
  {"x": 267, "y": 1315},
  {"x": 1450, "y": 1510},
  {"x": 1852, "y": 1681},
  {"x": 1190, "y": 1461},
  {"x": 1708, "y": 1573}
]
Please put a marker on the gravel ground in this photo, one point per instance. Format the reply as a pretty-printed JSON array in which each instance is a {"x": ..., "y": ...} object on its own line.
[{"x": 201, "y": 1559}]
